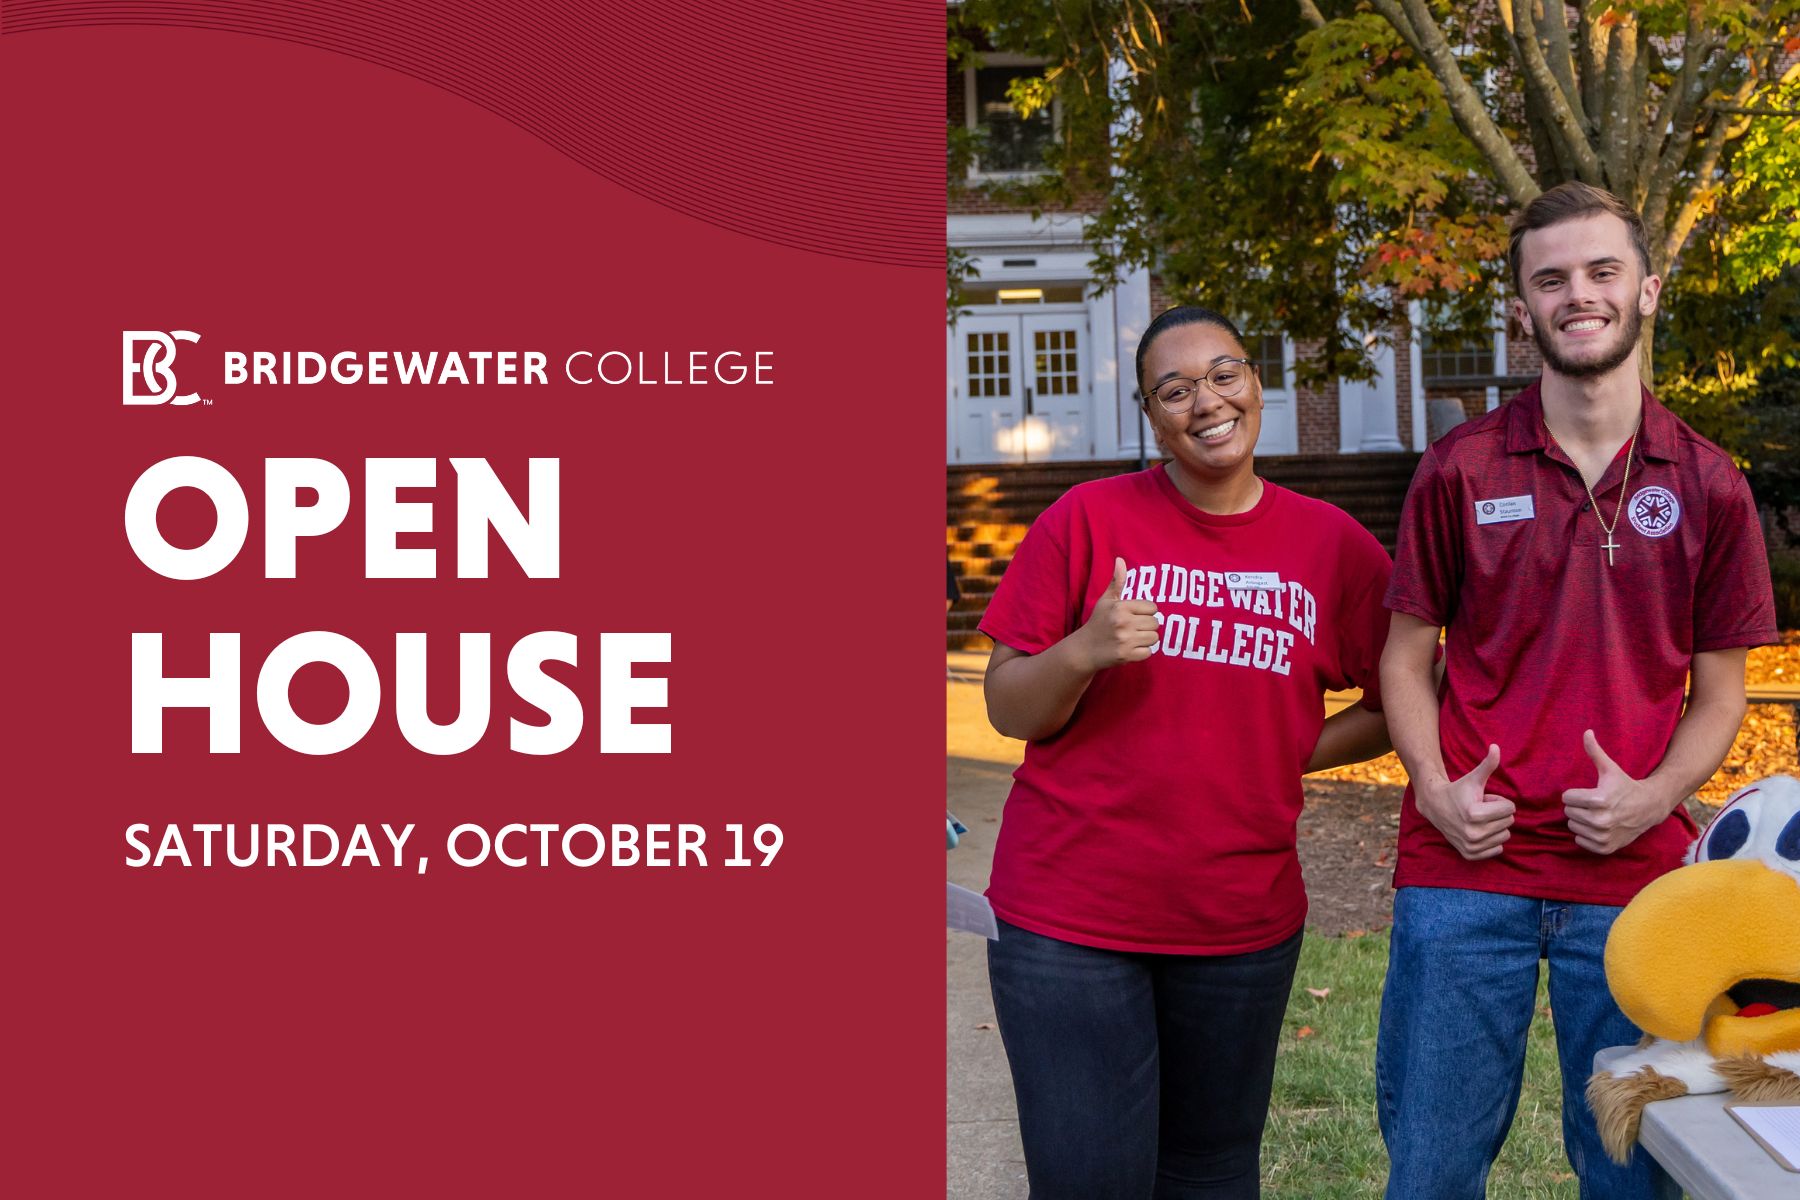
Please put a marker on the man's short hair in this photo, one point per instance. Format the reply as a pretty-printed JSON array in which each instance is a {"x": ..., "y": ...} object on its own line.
[{"x": 1566, "y": 202}]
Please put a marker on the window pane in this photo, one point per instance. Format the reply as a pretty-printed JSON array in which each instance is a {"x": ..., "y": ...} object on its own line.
[
  {"x": 1444, "y": 356},
  {"x": 1057, "y": 369},
  {"x": 1264, "y": 350},
  {"x": 1013, "y": 143},
  {"x": 988, "y": 364}
]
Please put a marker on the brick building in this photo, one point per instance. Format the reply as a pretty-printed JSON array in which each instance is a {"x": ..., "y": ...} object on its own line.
[
  {"x": 1039, "y": 384},
  {"x": 1039, "y": 370}
]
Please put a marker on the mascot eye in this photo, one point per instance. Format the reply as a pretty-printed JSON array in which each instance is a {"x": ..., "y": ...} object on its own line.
[
  {"x": 1730, "y": 832},
  {"x": 1788, "y": 844}
]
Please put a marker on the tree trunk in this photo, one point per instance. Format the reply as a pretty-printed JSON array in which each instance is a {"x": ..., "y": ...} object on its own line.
[{"x": 1655, "y": 235}]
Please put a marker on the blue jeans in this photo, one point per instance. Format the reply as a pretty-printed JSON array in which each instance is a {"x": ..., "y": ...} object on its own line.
[
  {"x": 1139, "y": 1075},
  {"x": 1461, "y": 986}
]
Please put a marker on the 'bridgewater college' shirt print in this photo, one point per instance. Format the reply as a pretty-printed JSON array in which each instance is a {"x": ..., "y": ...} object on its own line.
[{"x": 1246, "y": 642}]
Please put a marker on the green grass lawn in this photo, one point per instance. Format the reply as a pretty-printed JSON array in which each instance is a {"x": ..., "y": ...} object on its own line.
[{"x": 1322, "y": 1141}]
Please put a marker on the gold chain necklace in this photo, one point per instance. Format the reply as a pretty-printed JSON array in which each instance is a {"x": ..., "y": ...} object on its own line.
[{"x": 1608, "y": 545}]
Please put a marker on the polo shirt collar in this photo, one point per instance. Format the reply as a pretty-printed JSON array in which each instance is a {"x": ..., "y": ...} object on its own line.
[{"x": 1525, "y": 434}]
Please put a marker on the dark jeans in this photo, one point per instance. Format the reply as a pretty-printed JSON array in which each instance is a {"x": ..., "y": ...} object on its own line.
[
  {"x": 1139, "y": 1075},
  {"x": 1455, "y": 1015}
]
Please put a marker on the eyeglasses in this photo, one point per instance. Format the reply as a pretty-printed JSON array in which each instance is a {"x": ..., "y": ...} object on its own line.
[{"x": 1226, "y": 379}]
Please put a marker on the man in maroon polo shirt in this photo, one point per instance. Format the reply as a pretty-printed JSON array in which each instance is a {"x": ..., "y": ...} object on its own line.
[{"x": 1585, "y": 551}]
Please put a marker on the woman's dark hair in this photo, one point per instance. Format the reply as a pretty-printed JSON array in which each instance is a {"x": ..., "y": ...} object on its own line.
[{"x": 1181, "y": 314}]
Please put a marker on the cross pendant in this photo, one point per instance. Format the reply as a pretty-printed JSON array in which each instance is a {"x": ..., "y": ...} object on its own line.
[{"x": 1609, "y": 546}]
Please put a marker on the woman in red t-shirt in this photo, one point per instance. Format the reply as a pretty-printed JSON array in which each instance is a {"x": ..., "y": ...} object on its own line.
[{"x": 1163, "y": 641}]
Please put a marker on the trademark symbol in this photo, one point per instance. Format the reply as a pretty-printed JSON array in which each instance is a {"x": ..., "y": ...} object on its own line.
[{"x": 206, "y": 402}]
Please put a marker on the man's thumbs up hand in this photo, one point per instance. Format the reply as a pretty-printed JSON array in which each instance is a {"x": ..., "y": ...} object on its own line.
[
  {"x": 1473, "y": 820},
  {"x": 1613, "y": 813}
]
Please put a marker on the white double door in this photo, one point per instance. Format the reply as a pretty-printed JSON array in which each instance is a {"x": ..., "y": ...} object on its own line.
[{"x": 1020, "y": 388}]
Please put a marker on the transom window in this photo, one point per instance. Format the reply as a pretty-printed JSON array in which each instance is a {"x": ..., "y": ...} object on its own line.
[{"x": 1022, "y": 293}]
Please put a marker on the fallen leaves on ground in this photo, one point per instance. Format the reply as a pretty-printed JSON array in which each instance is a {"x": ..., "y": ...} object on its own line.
[
  {"x": 1318, "y": 993},
  {"x": 1305, "y": 1031},
  {"x": 1776, "y": 664},
  {"x": 1765, "y": 744}
]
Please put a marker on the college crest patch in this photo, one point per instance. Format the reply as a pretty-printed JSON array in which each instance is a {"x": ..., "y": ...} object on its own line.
[{"x": 1654, "y": 511}]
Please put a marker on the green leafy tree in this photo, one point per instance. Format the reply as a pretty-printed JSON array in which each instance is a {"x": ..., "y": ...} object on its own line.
[{"x": 1315, "y": 166}]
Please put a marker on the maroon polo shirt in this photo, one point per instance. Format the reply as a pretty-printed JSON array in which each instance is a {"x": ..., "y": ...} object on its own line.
[{"x": 1499, "y": 544}]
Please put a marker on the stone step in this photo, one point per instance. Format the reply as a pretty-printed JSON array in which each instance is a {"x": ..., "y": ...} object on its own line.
[
  {"x": 980, "y": 552},
  {"x": 967, "y": 640},
  {"x": 961, "y": 480},
  {"x": 986, "y": 531},
  {"x": 988, "y": 510},
  {"x": 1014, "y": 506},
  {"x": 1366, "y": 507}
]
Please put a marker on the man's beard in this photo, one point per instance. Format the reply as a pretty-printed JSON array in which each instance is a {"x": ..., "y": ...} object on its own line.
[{"x": 1627, "y": 346}]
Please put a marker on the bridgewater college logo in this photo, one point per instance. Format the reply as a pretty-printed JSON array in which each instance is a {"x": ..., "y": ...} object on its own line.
[
  {"x": 156, "y": 365},
  {"x": 1654, "y": 511}
]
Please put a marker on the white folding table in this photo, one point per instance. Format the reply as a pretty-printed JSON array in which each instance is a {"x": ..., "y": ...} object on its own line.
[{"x": 1705, "y": 1150}]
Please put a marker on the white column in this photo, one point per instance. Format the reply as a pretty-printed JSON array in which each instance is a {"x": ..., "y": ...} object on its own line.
[
  {"x": 1350, "y": 417},
  {"x": 1493, "y": 393},
  {"x": 1131, "y": 300},
  {"x": 1415, "y": 319},
  {"x": 1380, "y": 407}
]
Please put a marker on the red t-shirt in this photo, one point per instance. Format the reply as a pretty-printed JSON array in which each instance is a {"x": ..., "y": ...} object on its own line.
[
  {"x": 1161, "y": 818},
  {"x": 1499, "y": 543}
]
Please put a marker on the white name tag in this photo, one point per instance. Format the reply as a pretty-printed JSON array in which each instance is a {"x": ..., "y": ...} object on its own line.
[
  {"x": 1506, "y": 508},
  {"x": 1255, "y": 581}
]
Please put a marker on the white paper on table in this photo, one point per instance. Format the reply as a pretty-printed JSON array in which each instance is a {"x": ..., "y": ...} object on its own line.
[
  {"x": 1776, "y": 1126},
  {"x": 970, "y": 912}
]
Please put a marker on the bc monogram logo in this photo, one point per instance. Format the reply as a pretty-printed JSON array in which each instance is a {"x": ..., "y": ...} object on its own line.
[
  {"x": 157, "y": 366},
  {"x": 1654, "y": 511}
]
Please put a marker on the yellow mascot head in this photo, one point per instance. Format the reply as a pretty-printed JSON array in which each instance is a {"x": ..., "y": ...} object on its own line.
[
  {"x": 1712, "y": 950},
  {"x": 1706, "y": 960}
]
